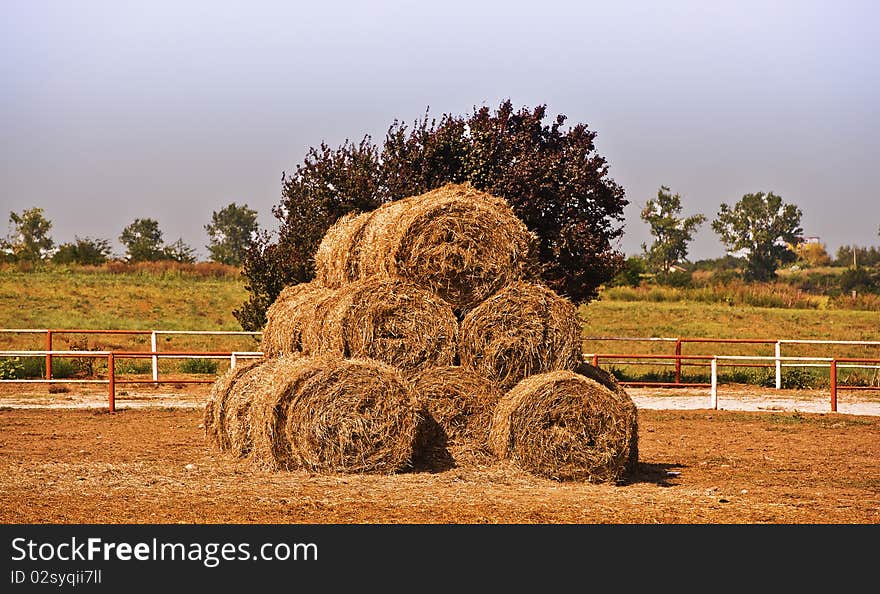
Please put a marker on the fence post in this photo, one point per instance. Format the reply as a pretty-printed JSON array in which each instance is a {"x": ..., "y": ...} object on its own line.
[
  {"x": 595, "y": 359},
  {"x": 232, "y": 361},
  {"x": 153, "y": 347},
  {"x": 111, "y": 382},
  {"x": 833, "y": 381},
  {"x": 48, "y": 356},
  {"x": 778, "y": 365},
  {"x": 713, "y": 394},
  {"x": 678, "y": 361}
]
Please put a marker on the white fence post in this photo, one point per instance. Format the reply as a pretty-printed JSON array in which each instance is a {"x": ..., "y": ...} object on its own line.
[
  {"x": 232, "y": 361},
  {"x": 153, "y": 345},
  {"x": 778, "y": 365},
  {"x": 713, "y": 394}
]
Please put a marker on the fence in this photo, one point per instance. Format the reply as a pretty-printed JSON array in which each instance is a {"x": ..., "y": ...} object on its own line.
[
  {"x": 154, "y": 344},
  {"x": 676, "y": 359},
  {"x": 113, "y": 356},
  {"x": 778, "y": 359},
  {"x": 713, "y": 360}
]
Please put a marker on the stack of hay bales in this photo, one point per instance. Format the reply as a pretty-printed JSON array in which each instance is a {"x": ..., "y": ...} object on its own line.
[{"x": 426, "y": 326}]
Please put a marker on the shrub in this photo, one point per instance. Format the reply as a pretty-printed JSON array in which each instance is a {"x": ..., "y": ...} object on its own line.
[
  {"x": 135, "y": 366},
  {"x": 202, "y": 366},
  {"x": 35, "y": 368},
  {"x": 860, "y": 280},
  {"x": 801, "y": 379},
  {"x": 85, "y": 250},
  {"x": 11, "y": 368},
  {"x": 550, "y": 173},
  {"x": 680, "y": 279}
]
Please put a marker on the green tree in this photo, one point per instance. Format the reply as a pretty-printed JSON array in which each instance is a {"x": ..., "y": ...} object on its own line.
[
  {"x": 671, "y": 232},
  {"x": 179, "y": 251},
  {"x": 231, "y": 232},
  {"x": 29, "y": 240},
  {"x": 143, "y": 241},
  {"x": 551, "y": 175},
  {"x": 761, "y": 226},
  {"x": 83, "y": 251}
]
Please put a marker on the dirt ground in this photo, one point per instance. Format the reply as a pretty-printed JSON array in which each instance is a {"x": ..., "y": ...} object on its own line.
[{"x": 149, "y": 463}]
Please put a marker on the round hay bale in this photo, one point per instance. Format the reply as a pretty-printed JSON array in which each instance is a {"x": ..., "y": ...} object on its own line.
[
  {"x": 337, "y": 259},
  {"x": 386, "y": 319},
  {"x": 564, "y": 426},
  {"x": 216, "y": 432},
  {"x": 270, "y": 391},
  {"x": 354, "y": 416},
  {"x": 609, "y": 381},
  {"x": 460, "y": 243},
  {"x": 459, "y": 400},
  {"x": 288, "y": 315},
  {"x": 314, "y": 340},
  {"x": 521, "y": 330}
]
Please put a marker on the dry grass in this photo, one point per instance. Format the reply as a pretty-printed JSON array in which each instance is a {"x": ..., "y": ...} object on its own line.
[
  {"x": 287, "y": 317},
  {"x": 337, "y": 259},
  {"x": 271, "y": 391},
  {"x": 390, "y": 320},
  {"x": 565, "y": 426},
  {"x": 324, "y": 414},
  {"x": 459, "y": 242},
  {"x": 522, "y": 330},
  {"x": 354, "y": 416},
  {"x": 460, "y": 401},
  {"x": 216, "y": 432}
]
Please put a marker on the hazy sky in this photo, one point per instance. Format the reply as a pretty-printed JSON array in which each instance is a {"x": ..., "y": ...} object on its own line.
[{"x": 115, "y": 110}]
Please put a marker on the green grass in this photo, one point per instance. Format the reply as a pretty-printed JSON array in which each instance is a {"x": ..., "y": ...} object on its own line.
[
  {"x": 689, "y": 319},
  {"x": 73, "y": 299},
  {"x": 608, "y": 317}
]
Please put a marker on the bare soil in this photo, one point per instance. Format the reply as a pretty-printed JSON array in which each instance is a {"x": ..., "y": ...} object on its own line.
[{"x": 149, "y": 463}]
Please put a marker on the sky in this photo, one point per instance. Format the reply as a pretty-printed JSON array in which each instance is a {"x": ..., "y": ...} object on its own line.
[{"x": 116, "y": 110}]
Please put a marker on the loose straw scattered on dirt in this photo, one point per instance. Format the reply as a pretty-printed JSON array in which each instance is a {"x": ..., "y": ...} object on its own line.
[
  {"x": 522, "y": 330},
  {"x": 565, "y": 426}
]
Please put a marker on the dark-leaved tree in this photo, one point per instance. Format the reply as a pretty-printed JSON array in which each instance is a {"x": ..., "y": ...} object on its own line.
[{"x": 551, "y": 175}]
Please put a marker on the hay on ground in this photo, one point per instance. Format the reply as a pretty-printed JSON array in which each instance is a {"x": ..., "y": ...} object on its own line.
[
  {"x": 354, "y": 416},
  {"x": 389, "y": 320},
  {"x": 216, "y": 432},
  {"x": 565, "y": 426},
  {"x": 459, "y": 242},
  {"x": 522, "y": 330},
  {"x": 460, "y": 401},
  {"x": 287, "y": 317}
]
